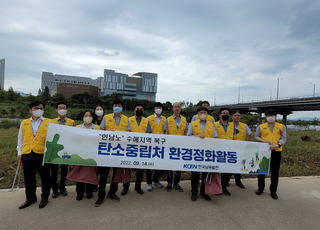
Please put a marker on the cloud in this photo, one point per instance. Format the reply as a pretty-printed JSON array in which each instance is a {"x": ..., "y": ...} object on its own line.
[{"x": 115, "y": 53}]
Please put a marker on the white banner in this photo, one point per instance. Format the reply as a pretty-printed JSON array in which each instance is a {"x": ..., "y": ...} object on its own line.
[{"x": 77, "y": 146}]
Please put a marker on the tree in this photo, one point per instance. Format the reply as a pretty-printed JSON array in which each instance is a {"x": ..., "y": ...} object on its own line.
[
  {"x": 4, "y": 112},
  {"x": 46, "y": 95},
  {"x": 11, "y": 94},
  {"x": 315, "y": 122},
  {"x": 12, "y": 111},
  {"x": 167, "y": 105},
  {"x": 58, "y": 97}
]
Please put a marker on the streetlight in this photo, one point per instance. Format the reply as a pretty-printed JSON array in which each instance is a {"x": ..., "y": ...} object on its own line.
[
  {"x": 278, "y": 88},
  {"x": 314, "y": 89},
  {"x": 239, "y": 95},
  {"x": 270, "y": 94}
]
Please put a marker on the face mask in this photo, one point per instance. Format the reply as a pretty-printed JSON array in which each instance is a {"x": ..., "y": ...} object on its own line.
[
  {"x": 117, "y": 110},
  {"x": 139, "y": 113},
  {"x": 37, "y": 113},
  {"x": 158, "y": 111},
  {"x": 203, "y": 117},
  {"x": 87, "y": 120},
  {"x": 62, "y": 112},
  {"x": 271, "y": 119},
  {"x": 99, "y": 112},
  {"x": 225, "y": 117}
]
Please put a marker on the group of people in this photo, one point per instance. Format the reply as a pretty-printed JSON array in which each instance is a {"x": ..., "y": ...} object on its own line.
[{"x": 32, "y": 136}]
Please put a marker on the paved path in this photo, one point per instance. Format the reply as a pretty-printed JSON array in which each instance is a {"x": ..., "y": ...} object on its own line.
[{"x": 298, "y": 207}]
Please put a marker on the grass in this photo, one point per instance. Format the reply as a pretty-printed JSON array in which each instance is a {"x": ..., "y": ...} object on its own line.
[{"x": 299, "y": 158}]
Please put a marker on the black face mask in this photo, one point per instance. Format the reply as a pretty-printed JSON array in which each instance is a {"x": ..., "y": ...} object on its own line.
[
  {"x": 225, "y": 117},
  {"x": 139, "y": 113}
]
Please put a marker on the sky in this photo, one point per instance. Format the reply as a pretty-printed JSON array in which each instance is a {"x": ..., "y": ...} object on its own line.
[{"x": 201, "y": 50}]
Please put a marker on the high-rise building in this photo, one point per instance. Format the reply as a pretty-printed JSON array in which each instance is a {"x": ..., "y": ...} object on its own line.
[
  {"x": 2, "y": 68},
  {"x": 140, "y": 85}
]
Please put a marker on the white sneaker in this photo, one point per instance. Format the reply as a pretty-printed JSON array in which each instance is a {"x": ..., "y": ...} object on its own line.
[
  {"x": 158, "y": 184},
  {"x": 149, "y": 187}
]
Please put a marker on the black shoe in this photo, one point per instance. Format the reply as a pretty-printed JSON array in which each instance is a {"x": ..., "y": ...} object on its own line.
[
  {"x": 259, "y": 191},
  {"x": 205, "y": 196},
  {"x": 194, "y": 197},
  {"x": 89, "y": 196},
  {"x": 64, "y": 192},
  {"x": 95, "y": 188},
  {"x": 274, "y": 195},
  {"x": 169, "y": 188},
  {"x": 124, "y": 192},
  {"x": 178, "y": 187},
  {"x": 225, "y": 191},
  {"x": 43, "y": 203},
  {"x": 113, "y": 197},
  {"x": 139, "y": 191},
  {"x": 27, "y": 203},
  {"x": 79, "y": 197},
  {"x": 239, "y": 184},
  {"x": 55, "y": 194},
  {"x": 99, "y": 202}
]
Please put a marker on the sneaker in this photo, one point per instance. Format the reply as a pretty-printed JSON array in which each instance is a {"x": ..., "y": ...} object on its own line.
[
  {"x": 113, "y": 197},
  {"x": 178, "y": 187},
  {"x": 99, "y": 202},
  {"x": 149, "y": 187},
  {"x": 158, "y": 184},
  {"x": 169, "y": 188}
]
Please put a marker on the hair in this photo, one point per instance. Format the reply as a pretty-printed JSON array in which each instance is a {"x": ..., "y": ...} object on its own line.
[
  {"x": 236, "y": 111},
  {"x": 270, "y": 112},
  {"x": 61, "y": 102},
  {"x": 82, "y": 116},
  {"x": 95, "y": 118},
  {"x": 202, "y": 108},
  {"x": 220, "y": 110},
  {"x": 36, "y": 103},
  {"x": 205, "y": 102},
  {"x": 139, "y": 104},
  {"x": 117, "y": 101},
  {"x": 158, "y": 104}
]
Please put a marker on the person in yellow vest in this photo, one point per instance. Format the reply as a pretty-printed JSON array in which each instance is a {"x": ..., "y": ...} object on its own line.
[
  {"x": 204, "y": 129},
  {"x": 61, "y": 109},
  {"x": 241, "y": 131},
  {"x": 139, "y": 124},
  {"x": 113, "y": 121},
  {"x": 157, "y": 122},
  {"x": 31, "y": 144},
  {"x": 209, "y": 117},
  {"x": 275, "y": 135},
  {"x": 175, "y": 125},
  {"x": 224, "y": 130}
]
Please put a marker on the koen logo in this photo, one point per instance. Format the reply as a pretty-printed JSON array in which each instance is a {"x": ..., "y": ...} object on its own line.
[{"x": 190, "y": 166}]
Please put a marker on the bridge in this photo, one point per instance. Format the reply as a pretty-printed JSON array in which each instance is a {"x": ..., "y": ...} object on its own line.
[{"x": 283, "y": 106}]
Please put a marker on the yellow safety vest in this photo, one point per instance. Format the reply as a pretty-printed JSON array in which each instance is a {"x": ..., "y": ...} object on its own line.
[
  {"x": 209, "y": 118},
  {"x": 173, "y": 127},
  {"x": 69, "y": 121},
  {"x": 141, "y": 128},
  {"x": 36, "y": 143},
  {"x": 221, "y": 133},
  {"x": 196, "y": 128},
  {"x": 155, "y": 127},
  {"x": 241, "y": 136},
  {"x": 273, "y": 137},
  {"x": 110, "y": 123}
]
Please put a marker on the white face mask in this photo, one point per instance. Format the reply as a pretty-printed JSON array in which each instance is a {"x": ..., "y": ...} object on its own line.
[
  {"x": 87, "y": 120},
  {"x": 62, "y": 112},
  {"x": 158, "y": 111},
  {"x": 99, "y": 112},
  {"x": 271, "y": 119},
  {"x": 37, "y": 113},
  {"x": 203, "y": 117}
]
